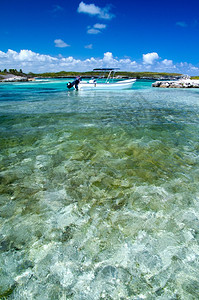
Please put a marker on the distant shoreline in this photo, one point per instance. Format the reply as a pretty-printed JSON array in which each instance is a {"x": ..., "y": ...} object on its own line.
[
  {"x": 10, "y": 77},
  {"x": 118, "y": 74}
]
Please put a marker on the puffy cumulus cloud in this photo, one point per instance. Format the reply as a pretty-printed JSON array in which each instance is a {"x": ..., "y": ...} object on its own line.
[
  {"x": 31, "y": 61},
  {"x": 167, "y": 65},
  {"x": 167, "y": 62},
  {"x": 90, "y": 9},
  {"x": 93, "y": 10},
  {"x": 35, "y": 62},
  {"x": 194, "y": 68},
  {"x": 108, "y": 61},
  {"x": 187, "y": 68},
  {"x": 25, "y": 56},
  {"x": 60, "y": 43},
  {"x": 26, "y": 59},
  {"x": 150, "y": 58},
  {"x": 108, "y": 57}
]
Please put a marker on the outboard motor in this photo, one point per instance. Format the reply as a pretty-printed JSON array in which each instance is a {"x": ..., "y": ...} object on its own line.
[{"x": 74, "y": 83}]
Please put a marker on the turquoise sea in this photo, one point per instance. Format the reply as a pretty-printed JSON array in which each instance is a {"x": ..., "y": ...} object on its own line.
[{"x": 99, "y": 192}]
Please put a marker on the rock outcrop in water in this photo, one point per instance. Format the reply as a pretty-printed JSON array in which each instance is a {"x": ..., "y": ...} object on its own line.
[
  {"x": 14, "y": 78},
  {"x": 183, "y": 83}
]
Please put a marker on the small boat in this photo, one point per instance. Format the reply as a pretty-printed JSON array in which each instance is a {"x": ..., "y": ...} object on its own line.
[
  {"x": 99, "y": 84},
  {"x": 118, "y": 85}
]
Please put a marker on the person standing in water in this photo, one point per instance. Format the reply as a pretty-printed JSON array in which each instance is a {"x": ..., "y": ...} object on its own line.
[{"x": 74, "y": 83}]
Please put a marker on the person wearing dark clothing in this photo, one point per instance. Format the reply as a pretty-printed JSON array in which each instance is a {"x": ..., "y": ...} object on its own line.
[{"x": 74, "y": 83}]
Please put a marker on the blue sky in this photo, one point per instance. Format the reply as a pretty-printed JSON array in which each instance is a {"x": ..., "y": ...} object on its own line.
[{"x": 80, "y": 35}]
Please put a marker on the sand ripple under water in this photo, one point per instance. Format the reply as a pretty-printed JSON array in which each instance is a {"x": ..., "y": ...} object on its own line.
[{"x": 99, "y": 193}]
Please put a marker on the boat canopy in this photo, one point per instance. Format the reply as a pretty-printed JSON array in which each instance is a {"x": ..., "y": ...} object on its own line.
[
  {"x": 105, "y": 69},
  {"x": 111, "y": 72}
]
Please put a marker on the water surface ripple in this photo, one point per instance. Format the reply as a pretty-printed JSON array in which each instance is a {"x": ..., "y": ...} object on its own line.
[{"x": 99, "y": 193}]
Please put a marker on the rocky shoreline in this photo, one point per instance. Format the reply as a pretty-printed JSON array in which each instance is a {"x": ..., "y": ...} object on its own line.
[
  {"x": 14, "y": 78},
  {"x": 183, "y": 83}
]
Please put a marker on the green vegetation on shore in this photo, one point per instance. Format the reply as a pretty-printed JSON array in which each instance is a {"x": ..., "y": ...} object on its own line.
[
  {"x": 137, "y": 75},
  {"x": 65, "y": 74},
  {"x": 12, "y": 71}
]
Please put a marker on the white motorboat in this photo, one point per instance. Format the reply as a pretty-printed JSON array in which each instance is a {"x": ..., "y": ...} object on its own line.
[
  {"x": 117, "y": 85},
  {"x": 110, "y": 83}
]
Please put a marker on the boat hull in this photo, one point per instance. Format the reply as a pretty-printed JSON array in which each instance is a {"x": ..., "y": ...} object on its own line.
[{"x": 119, "y": 85}]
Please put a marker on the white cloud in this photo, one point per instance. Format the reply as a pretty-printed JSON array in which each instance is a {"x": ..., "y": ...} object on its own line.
[
  {"x": 60, "y": 44},
  {"x": 150, "y": 58},
  {"x": 93, "y": 10},
  {"x": 90, "y": 9},
  {"x": 108, "y": 57},
  {"x": 90, "y": 46},
  {"x": 167, "y": 62},
  {"x": 194, "y": 68},
  {"x": 99, "y": 26},
  {"x": 31, "y": 61},
  {"x": 93, "y": 31},
  {"x": 181, "y": 24},
  {"x": 26, "y": 59}
]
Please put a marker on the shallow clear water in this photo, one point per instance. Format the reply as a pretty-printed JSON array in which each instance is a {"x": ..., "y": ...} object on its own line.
[{"x": 99, "y": 193}]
